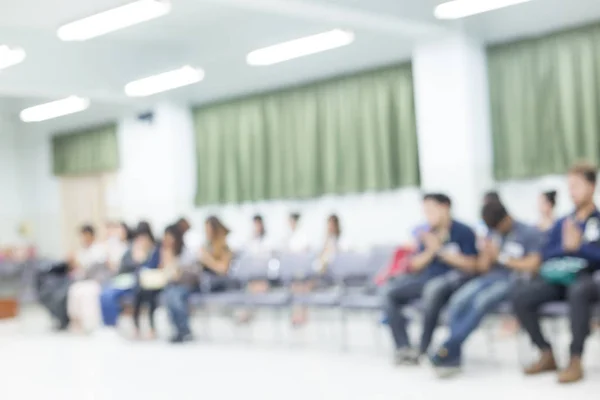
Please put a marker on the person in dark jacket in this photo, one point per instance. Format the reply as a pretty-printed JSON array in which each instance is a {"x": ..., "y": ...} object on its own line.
[{"x": 570, "y": 256}]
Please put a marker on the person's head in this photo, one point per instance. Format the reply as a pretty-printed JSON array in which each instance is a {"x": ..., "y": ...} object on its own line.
[
  {"x": 111, "y": 229},
  {"x": 143, "y": 235},
  {"x": 582, "y": 184},
  {"x": 123, "y": 232},
  {"x": 547, "y": 202},
  {"x": 183, "y": 224},
  {"x": 294, "y": 218},
  {"x": 333, "y": 226},
  {"x": 214, "y": 229},
  {"x": 496, "y": 217},
  {"x": 491, "y": 196},
  {"x": 87, "y": 235},
  {"x": 436, "y": 207},
  {"x": 259, "y": 226},
  {"x": 173, "y": 239}
]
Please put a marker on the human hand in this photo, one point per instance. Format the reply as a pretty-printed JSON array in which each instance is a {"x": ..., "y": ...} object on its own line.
[
  {"x": 571, "y": 235},
  {"x": 431, "y": 242}
]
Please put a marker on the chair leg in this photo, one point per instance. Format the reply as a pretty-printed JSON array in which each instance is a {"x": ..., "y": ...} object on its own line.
[{"x": 344, "y": 329}]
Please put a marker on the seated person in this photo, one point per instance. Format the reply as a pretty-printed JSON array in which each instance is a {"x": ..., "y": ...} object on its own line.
[
  {"x": 570, "y": 256},
  {"x": 153, "y": 276},
  {"x": 446, "y": 259},
  {"x": 215, "y": 258},
  {"x": 546, "y": 205},
  {"x": 333, "y": 245},
  {"x": 259, "y": 244},
  {"x": 82, "y": 300},
  {"x": 296, "y": 242},
  {"x": 510, "y": 249},
  {"x": 142, "y": 252}
]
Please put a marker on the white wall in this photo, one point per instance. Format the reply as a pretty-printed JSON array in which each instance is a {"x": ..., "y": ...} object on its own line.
[{"x": 10, "y": 194}]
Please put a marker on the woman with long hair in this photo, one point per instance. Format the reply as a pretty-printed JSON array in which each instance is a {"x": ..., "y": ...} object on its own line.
[
  {"x": 153, "y": 276},
  {"x": 214, "y": 258},
  {"x": 331, "y": 247}
]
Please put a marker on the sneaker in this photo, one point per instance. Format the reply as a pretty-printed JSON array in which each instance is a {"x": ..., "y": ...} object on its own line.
[
  {"x": 546, "y": 363},
  {"x": 178, "y": 338},
  {"x": 573, "y": 373},
  {"x": 407, "y": 356},
  {"x": 446, "y": 363}
]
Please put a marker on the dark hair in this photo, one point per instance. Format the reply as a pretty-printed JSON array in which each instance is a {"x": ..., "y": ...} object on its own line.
[
  {"x": 182, "y": 221},
  {"x": 87, "y": 228},
  {"x": 259, "y": 219},
  {"x": 333, "y": 218},
  {"x": 128, "y": 232},
  {"x": 174, "y": 231},
  {"x": 586, "y": 170},
  {"x": 493, "y": 213},
  {"x": 295, "y": 216},
  {"x": 216, "y": 225},
  {"x": 490, "y": 196},
  {"x": 550, "y": 197},
  {"x": 439, "y": 198},
  {"x": 144, "y": 229}
]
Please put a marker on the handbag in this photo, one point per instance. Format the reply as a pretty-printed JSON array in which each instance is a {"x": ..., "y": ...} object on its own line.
[
  {"x": 153, "y": 279},
  {"x": 562, "y": 271}
]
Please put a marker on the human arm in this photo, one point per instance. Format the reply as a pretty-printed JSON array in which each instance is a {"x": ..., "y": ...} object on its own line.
[
  {"x": 219, "y": 266},
  {"x": 530, "y": 263},
  {"x": 465, "y": 260},
  {"x": 429, "y": 247},
  {"x": 553, "y": 246}
]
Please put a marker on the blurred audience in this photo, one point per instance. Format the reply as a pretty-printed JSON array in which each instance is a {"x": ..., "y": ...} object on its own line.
[
  {"x": 296, "y": 241},
  {"x": 82, "y": 301},
  {"x": 154, "y": 276},
  {"x": 511, "y": 251},
  {"x": 259, "y": 243},
  {"x": 570, "y": 255},
  {"x": 446, "y": 259},
  {"x": 215, "y": 258},
  {"x": 141, "y": 252}
]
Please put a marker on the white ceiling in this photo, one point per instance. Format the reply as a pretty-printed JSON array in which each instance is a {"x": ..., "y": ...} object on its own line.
[{"x": 217, "y": 34}]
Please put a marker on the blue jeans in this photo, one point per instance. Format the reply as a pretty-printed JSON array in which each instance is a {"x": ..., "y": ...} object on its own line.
[
  {"x": 472, "y": 303},
  {"x": 110, "y": 302},
  {"x": 176, "y": 300},
  {"x": 435, "y": 293}
]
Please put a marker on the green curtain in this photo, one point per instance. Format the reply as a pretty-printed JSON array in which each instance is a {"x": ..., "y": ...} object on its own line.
[
  {"x": 351, "y": 134},
  {"x": 85, "y": 152},
  {"x": 545, "y": 103}
]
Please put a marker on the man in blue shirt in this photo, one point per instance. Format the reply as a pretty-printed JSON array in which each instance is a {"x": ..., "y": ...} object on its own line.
[
  {"x": 510, "y": 249},
  {"x": 446, "y": 259},
  {"x": 570, "y": 256}
]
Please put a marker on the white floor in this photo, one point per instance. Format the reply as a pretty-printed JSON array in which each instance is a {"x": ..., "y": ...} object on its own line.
[{"x": 262, "y": 363}]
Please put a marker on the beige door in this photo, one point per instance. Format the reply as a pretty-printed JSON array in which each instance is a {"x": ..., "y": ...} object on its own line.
[{"x": 85, "y": 201}]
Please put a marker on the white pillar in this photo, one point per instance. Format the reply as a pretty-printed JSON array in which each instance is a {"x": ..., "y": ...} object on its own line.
[
  {"x": 453, "y": 121},
  {"x": 157, "y": 174}
]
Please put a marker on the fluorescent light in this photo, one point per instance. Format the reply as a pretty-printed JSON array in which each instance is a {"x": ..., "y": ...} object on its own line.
[
  {"x": 114, "y": 19},
  {"x": 464, "y": 8},
  {"x": 162, "y": 82},
  {"x": 300, "y": 47},
  {"x": 10, "y": 56},
  {"x": 55, "y": 109}
]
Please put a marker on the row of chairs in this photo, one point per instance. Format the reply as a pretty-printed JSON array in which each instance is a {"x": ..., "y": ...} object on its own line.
[{"x": 350, "y": 289}]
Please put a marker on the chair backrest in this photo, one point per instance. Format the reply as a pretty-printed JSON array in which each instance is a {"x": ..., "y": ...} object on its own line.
[
  {"x": 379, "y": 257},
  {"x": 348, "y": 266},
  {"x": 249, "y": 267},
  {"x": 296, "y": 266}
]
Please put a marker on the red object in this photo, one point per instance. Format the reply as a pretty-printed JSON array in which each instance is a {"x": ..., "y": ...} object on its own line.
[{"x": 400, "y": 264}]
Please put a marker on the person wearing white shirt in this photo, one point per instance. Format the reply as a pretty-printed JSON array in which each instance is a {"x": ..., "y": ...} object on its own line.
[
  {"x": 259, "y": 244},
  {"x": 296, "y": 242},
  {"x": 83, "y": 299},
  {"x": 333, "y": 245}
]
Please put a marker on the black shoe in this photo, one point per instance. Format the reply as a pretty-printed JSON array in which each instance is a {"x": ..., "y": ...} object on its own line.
[
  {"x": 177, "y": 338},
  {"x": 181, "y": 338}
]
